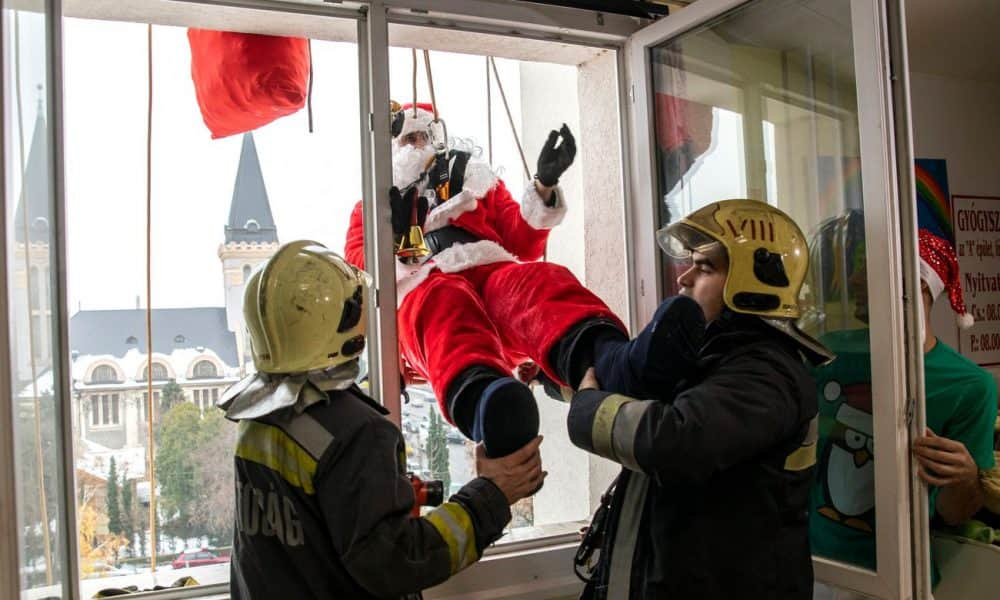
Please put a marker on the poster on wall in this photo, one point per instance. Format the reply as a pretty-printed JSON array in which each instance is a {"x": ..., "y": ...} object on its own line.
[
  {"x": 933, "y": 201},
  {"x": 977, "y": 244}
]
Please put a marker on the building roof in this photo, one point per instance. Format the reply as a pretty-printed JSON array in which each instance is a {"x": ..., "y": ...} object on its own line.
[
  {"x": 110, "y": 332},
  {"x": 35, "y": 187},
  {"x": 250, "y": 217}
]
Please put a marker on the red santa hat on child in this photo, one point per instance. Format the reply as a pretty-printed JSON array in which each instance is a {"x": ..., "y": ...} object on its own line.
[
  {"x": 416, "y": 120},
  {"x": 939, "y": 270}
]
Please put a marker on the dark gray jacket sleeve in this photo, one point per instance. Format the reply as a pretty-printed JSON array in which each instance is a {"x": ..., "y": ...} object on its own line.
[
  {"x": 746, "y": 406},
  {"x": 366, "y": 500}
]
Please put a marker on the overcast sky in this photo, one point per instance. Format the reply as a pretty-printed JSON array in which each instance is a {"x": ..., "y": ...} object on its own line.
[{"x": 312, "y": 180}]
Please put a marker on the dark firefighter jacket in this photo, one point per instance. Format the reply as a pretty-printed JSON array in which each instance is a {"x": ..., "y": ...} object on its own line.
[
  {"x": 713, "y": 498},
  {"x": 323, "y": 509}
]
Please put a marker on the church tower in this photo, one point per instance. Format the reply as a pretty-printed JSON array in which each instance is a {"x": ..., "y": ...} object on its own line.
[
  {"x": 251, "y": 238},
  {"x": 31, "y": 294}
]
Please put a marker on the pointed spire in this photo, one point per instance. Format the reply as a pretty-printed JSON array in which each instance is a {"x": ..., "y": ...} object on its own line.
[
  {"x": 35, "y": 186},
  {"x": 250, "y": 217}
]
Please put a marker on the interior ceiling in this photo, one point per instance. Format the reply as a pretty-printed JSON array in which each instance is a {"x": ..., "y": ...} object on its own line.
[
  {"x": 790, "y": 24},
  {"x": 950, "y": 38},
  {"x": 818, "y": 31},
  {"x": 954, "y": 38},
  {"x": 215, "y": 16}
]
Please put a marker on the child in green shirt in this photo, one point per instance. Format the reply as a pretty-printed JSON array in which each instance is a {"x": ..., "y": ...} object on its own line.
[{"x": 961, "y": 403}]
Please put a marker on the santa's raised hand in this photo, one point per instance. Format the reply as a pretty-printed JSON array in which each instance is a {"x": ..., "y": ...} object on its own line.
[{"x": 554, "y": 159}]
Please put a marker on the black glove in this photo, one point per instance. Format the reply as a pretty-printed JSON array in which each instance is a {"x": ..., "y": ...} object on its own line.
[
  {"x": 553, "y": 161},
  {"x": 401, "y": 206}
]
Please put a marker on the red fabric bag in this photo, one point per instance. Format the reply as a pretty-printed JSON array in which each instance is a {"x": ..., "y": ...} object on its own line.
[{"x": 244, "y": 80}]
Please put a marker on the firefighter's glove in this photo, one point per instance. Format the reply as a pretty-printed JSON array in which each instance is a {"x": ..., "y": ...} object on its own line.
[
  {"x": 402, "y": 205},
  {"x": 554, "y": 160}
]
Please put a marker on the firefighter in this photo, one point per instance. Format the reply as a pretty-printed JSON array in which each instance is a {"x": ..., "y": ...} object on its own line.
[
  {"x": 718, "y": 445},
  {"x": 323, "y": 502}
]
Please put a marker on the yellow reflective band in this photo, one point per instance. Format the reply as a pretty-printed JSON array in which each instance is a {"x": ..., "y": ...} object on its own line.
[
  {"x": 805, "y": 455},
  {"x": 272, "y": 448},
  {"x": 455, "y": 526},
  {"x": 601, "y": 432},
  {"x": 801, "y": 459}
]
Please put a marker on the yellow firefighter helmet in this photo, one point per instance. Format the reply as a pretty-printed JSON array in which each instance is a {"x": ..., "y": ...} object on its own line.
[
  {"x": 768, "y": 255},
  {"x": 306, "y": 309},
  {"x": 768, "y": 261}
]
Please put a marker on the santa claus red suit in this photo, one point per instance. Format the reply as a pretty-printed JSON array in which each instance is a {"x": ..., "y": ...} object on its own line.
[{"x": 480, "y": 304}]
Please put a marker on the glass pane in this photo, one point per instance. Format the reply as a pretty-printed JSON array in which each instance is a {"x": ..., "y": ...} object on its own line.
[
  {"x": 220, "y": 208},
  {"x": 761, "y": 104},
  {"x": 541, "y": 96},
  {"x": 30, "y": 263}
]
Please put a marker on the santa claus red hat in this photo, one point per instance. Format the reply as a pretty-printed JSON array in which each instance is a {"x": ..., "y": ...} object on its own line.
[
  {"x": 939, "y": 270},
  {"x": 416, "y": 120}
]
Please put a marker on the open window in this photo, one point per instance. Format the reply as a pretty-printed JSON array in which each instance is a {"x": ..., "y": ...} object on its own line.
[
  {"x": 219, "y": 208},
  {"x": 500, "y": 102},
  {"x": 782, "y": 102}
]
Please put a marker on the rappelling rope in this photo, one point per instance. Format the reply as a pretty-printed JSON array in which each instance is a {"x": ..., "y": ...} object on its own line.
[{"x": 510, "y": 119}]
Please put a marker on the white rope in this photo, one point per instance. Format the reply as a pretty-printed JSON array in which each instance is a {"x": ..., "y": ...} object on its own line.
[
  {"x": 510, "y": 119},
  {"x": 414, "y": 54},
  {"x": 430, "y": 82},
  {"x": 489, "y": 112}
]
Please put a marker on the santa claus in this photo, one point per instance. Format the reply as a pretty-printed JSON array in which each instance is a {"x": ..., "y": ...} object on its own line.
[{"x": 479, "y": 303}]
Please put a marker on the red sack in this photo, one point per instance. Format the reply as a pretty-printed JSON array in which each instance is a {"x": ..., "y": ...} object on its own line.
[{"x": 245, "y": 80}]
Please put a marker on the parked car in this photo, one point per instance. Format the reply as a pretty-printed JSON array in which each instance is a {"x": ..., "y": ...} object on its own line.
[
  {"x": 197, "y": 558},
  {"x": 455, "y": 436}
]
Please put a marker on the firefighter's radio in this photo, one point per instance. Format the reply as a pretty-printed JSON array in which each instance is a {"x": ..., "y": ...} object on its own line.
[{"x": 428, "y": 493}]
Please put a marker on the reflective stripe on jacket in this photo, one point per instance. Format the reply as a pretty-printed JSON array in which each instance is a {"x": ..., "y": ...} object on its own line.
[
  {"x": 323, "y": 509},
  {"x": 713, "y": 498}
]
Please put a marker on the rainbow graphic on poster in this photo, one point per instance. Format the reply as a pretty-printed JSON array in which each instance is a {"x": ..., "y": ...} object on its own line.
[{"x": 933, "y": 199}]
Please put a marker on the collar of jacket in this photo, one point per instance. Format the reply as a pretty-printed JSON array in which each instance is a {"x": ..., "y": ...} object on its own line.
[
  {"x": 736, "y": 329},
  {"x": 261, "y": 394}
]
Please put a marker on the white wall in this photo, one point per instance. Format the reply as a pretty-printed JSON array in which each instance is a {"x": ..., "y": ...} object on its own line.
[
  {"x": 959, "y": 121},
  {"x": 549, "y": 99},
  {"x": 590, "y": 242}
]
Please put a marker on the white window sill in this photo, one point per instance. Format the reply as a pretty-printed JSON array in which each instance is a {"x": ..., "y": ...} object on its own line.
[
  {"x": 528, "y": 569},
  {"x": 530, "y": 574}
]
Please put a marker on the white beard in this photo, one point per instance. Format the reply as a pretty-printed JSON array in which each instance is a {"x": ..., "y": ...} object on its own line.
[{"x": 409, "y": 163}]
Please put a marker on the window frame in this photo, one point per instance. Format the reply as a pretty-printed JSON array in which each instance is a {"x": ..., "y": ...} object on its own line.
[
  {"x": 9, "y": 560},
  {"x": 199, "y": 363},
  {"x": 57, "y": 312},
  {"x": 101, "y": 367},
  {"x": 897, "y": 370},
  {"x": 104, "y": 405},
  {"x": 515, "y": 560},
  {"x": 146, "y": 368}
]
